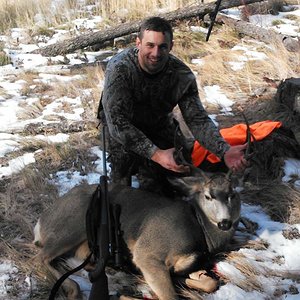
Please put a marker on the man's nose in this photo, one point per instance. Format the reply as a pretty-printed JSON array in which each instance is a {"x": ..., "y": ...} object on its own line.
[{"x": 156, "y": 51}]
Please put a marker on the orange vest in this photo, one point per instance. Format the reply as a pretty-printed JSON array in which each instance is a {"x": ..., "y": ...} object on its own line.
[{"x": 235, "y": 135}]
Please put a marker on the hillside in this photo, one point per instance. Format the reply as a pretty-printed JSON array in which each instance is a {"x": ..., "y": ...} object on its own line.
[{"x": 50, "y": 141}]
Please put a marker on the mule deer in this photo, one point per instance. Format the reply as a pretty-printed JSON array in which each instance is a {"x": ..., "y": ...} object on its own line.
[{"x": 164, "y": 236}]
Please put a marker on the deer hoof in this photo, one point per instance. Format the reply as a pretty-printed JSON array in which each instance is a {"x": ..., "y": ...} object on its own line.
[{"x": 200, "y": 280}]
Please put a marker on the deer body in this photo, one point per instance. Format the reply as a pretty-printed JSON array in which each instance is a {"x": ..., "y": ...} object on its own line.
[{"x": 163, "y": 236}]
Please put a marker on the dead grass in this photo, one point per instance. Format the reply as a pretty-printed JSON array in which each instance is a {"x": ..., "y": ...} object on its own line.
[
  {"x": 189, "y": 46},
  {"x": 218, "y": 58},
  {"x": 43, "y": 14},
  {"x": 26, "y": 14},
  {"x": 280, "y": 201},
  {"x": 25, "y": 195},
  {"x": 4, "y": 59},
  {"x": 190, "y": 294},
  {"x": 90, "y": 81},
  {"x": 250, "y": 272},
  {"x": 112, "y": 9},
  {"x": 17, "y": 13},
  {"x": 292, "y": 17},
  {"x": 32, "y": 85},
  {"x": 71, "y": 156},
  {"x": 29, "y": 111}
]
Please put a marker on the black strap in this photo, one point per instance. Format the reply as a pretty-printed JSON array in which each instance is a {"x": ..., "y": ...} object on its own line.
[
  {"x": 100, "y": 112},
  {"x": 92, "y": 220},
  {"x": 102, "y": 246},
  {"x": 59, "y": 282}
]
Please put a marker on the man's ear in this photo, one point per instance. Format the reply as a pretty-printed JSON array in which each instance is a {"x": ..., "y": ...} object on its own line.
[
  {"x": 138, "y": 42},
  {"x": 171, "y": 45}
]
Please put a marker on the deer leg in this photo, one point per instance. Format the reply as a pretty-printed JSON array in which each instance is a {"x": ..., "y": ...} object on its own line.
[
  {"x": 197, "y": 280},
  {"x": 250, "y": 226},
  {"x": 201, "y": 281},
  {"x": 70, "y": 287},
  {"x": 156, "y": 275}
]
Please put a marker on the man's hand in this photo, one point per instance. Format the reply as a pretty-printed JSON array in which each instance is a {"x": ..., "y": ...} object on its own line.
[
  {"x": 234, "y": 158},
  {"x": 166, "y": 159}
]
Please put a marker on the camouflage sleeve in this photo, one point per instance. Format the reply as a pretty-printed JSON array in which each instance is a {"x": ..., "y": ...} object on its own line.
[
  {"x": 198, "y": 121},
  {"x": 118, "y": 108}
]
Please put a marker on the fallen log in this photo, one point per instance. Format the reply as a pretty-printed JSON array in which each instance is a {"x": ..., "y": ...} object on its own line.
[
  {"x": 268, "y": 36},
  {"x": 100, "y": 61},
  {"x": 268, "y": 7},
  {"x": 99, "y": 37},
  {"x": 63, "y": 126}
]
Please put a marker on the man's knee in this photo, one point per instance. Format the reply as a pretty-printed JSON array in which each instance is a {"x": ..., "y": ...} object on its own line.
[{"x": 123, "y": 166}]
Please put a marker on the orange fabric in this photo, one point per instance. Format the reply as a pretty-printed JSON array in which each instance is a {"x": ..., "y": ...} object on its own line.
[{"x": 235, "y": 135}]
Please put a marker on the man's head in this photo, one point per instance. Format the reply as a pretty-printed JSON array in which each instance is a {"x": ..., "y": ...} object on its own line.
[{"x": 154, "y": 42}]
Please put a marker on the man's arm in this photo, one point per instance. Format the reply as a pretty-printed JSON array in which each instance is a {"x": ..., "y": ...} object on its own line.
[
  {"x": 206, "y": 132},
  {"x": 198, "y": 121},
  {"x": 166, "y": 159}
]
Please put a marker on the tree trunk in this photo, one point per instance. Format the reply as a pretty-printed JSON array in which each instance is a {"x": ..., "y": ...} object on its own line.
[
  {"x": 265, "y": 35},
  {"x": 288, "y": 94},
  {"x": 99, "y": 37},
  {"x": 267, "y": 7}
]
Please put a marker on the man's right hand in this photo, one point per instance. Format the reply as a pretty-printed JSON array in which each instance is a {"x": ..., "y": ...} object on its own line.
[
  {"x": 234, "y": 158},
  {"x": 166, "y": 159}
]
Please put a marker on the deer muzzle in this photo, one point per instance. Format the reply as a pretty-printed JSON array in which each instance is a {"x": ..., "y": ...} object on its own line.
[{"x": 225, "y": 224}]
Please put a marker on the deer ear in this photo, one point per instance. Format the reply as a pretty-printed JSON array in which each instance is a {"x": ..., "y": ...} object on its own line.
[{"x": 187, "y": 185}]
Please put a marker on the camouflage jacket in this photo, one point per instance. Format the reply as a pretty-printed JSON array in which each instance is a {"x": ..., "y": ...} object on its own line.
[{"x": 138, "y": 106}]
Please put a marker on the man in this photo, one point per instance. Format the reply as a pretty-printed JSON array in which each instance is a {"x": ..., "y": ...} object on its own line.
[{"x": 142, "y": 86}]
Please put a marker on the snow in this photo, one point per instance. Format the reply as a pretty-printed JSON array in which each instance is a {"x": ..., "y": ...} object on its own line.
[
  {"x": 289, "y": 27},
  {"x": 215, "y": 96},
  {"x": 7, "y": 269},
  {"x": 292, "y": 167},
  {"x": 17, "y": 164},
  {"x": 269, "y": 230}
]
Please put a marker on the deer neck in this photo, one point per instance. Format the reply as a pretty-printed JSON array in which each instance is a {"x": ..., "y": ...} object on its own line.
[{"x": 216, "y": 239}]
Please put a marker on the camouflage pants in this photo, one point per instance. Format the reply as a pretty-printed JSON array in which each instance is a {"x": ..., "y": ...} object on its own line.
[{"x": 151, "y": 176}]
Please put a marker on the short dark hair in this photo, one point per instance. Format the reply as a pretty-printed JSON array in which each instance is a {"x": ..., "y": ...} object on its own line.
[{"x": 156, "y": 24}]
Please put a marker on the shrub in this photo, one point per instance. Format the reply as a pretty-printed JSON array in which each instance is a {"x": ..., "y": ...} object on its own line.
[
  {"x": 277, "y": 22},
  {"x": 292, "y": 17},
  {"x": 4, "y": 58}
]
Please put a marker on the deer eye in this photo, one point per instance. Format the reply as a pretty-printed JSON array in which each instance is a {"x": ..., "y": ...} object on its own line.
[
  {"x": 231, "y": 196},
  {"x": 207, "y": 197}
]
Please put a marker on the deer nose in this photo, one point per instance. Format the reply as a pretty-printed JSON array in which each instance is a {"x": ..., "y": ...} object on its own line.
[{"x": 225, "y": 224}]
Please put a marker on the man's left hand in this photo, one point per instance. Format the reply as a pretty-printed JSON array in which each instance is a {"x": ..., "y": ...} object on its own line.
[{"x": 234, "y": 158}]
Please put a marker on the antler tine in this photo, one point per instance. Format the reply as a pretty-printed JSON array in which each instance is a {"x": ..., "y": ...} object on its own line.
[
  {"x": 229, "y": 174},
  {"x": 249, "y": 135}
]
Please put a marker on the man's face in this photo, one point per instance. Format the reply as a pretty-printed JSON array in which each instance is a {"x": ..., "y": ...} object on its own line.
[{"x": 154, "y": 50}]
